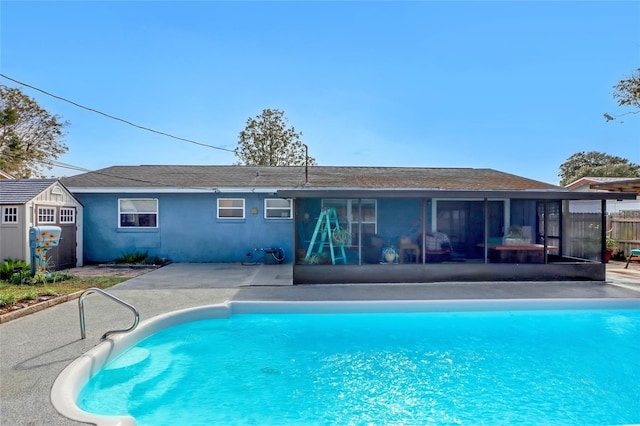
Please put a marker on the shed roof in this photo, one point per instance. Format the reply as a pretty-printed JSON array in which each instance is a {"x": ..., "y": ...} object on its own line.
[
  {"x": 19, "y": 191},
  {"x": 339, "y": 177}
]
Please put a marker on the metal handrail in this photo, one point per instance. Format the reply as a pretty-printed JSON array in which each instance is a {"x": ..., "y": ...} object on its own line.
[{"x": 112, "y": 297}]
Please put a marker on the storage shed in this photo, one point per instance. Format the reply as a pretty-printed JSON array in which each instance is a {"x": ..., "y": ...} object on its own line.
[{"x": 25, "y": 203}]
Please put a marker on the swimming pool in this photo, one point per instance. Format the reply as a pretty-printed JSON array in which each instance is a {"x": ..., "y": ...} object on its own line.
[{"x": 440, "y": 362}]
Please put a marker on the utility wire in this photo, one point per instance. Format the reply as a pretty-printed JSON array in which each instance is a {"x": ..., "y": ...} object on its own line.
[
  {"x": 59, "y": 164},
  {"x": 117, "y": 118}
]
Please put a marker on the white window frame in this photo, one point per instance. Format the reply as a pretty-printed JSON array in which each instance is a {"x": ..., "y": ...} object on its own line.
[
  {"x": 230, "y": 208},
  {"x": 10, "y": 215},
  {"x": 67, "y": 215},
  {"x": 140, "y": 212},
  {"x": 281, "y": 209},
  {"x": 46, "y": 214},
  {"x": 351, "y": 207}
]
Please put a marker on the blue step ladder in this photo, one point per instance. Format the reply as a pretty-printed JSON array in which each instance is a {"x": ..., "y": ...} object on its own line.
[{"x": 326, "y": 226}]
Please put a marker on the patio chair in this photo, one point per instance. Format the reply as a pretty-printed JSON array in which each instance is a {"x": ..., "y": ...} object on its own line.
[
  {"x": 437, "y": 247},
  {"x": 635, "y": 255}
]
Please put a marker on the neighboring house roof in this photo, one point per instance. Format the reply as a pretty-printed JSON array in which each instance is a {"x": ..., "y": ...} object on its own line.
[
  {"x": 5, "y": 175},
  {"x": 589, "y": 180},
  {"x": 19, "y": 191},
  {"x": 247, "y": 177},
  {"x": 620, "y": 185}
]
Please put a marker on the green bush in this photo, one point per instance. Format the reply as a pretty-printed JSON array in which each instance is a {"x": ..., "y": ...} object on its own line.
[
  {"x": 30, "y": 295},
  {"x": 155, "y": 260},
  {"x": 18, "y": 278},
  {"x": 42, "y": 278},
  {"x": 136, "y": 257},
  {"x": 9, "y": 265},
  {"x": 7, "y": 299}
]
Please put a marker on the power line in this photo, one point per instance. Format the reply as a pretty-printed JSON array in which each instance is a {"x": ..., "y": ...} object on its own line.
[
  {"x": 59, "y": 164},
  {"x": 117, "y": 118},
  {"x": 54, "y": 163}
]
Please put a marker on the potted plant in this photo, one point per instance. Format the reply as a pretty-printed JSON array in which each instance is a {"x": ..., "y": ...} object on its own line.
[
  {"x": 390, "y": 254},
  {"x": 341, "y": 236},
  {"x": 611, "y": 245},
  {"x": 515, "y": 237}
]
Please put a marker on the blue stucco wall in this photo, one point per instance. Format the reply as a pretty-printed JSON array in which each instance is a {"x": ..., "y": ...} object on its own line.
[
  {"x": 188, "y": 230},
  {"x": 398, "y": 218}
]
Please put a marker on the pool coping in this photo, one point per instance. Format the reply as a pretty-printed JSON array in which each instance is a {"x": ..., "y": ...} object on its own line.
[{"x": 69, "y": 383}]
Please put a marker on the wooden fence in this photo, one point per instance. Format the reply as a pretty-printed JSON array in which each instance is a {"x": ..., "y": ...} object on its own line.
[
  {"x": 625, "y": 229},
  {"x": 582, "y": 233}
]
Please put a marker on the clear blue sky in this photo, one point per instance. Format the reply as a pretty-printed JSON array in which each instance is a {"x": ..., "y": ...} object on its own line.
[{"x": 513, "y": 86}]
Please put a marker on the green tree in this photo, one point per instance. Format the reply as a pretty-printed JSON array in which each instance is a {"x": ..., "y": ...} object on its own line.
[
  {"x": 267, "y": 140},
  {"x": 596, "y": 164},
  {"x": 627, "y": 94},
  {"x": 30, "y": 137}
]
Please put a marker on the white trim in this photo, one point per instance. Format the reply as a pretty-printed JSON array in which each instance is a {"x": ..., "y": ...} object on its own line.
[
  {"x": 6, "y": 175},
  {"x": 351, "y": 206},
  {"x": 243, "y": 208},
  {"x": 53, "y": 214},
  {"x": 171, "y": 190},
  {"x": 156, "y": 213},
  {"x": 267, "y": 209},
  {"x": 71, "y": 216},
  {"x": 14, "y": 215}
]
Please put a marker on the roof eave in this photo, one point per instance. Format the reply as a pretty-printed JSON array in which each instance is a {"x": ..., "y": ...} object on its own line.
[
  {"x": 169, "y": 190},
  {"x": 530, "y": 194}
]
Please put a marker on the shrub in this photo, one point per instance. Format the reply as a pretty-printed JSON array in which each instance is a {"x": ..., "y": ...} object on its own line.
[
  {"x": 9, "y": 265},
  {"x": 59, "y": 276},
  {"x": 17, "y": 278},
  {"x": 136, "y": 257},
  {"x": 7, "y": 299},
  {"x": 30, "y": 295},
  {"x": 40, "y": 278},
  {"x": 49, "y": 292},
  {"x": 155, "y": 260}
]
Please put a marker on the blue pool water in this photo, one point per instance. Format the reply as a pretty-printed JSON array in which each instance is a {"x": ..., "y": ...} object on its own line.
[{"x": 561, "y": 367}]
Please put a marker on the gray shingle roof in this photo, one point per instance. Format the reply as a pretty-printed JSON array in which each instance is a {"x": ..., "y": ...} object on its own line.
[
  {"x": 19, "y": 191},
  {"x": 294, "y": 177}
]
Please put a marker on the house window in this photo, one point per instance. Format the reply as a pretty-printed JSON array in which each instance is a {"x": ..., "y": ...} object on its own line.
[
  {"x": 138, "y": 212},
  {"x": 46, "y": 215},
  {"x": 9, "y": 215},
  {"x": 67, "y": 215},
  {"x": 230, "y": 208},
  {"x": 277, "y": 208},
  {"x": 351, "y": 215}
]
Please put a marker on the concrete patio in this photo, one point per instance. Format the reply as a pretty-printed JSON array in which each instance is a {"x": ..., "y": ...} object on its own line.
[{"x": 35, "y": 348}]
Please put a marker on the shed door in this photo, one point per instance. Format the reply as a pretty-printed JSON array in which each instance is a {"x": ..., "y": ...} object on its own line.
[{"x": 64, "y": 255}]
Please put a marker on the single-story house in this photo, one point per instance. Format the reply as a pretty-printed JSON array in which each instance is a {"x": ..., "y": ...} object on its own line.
[
  {"x": 27, "y": 203},
  {"x": 443, "y": 224}
]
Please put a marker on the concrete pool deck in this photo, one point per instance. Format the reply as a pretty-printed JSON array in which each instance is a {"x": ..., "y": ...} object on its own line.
[{"x": 34, "y": 349}]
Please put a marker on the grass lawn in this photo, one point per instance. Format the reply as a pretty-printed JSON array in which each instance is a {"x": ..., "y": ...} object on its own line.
[{"x": 12, "y": 296}]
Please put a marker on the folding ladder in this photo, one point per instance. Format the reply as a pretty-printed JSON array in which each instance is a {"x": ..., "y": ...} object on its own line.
[{"x": 326, "y": 226}]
